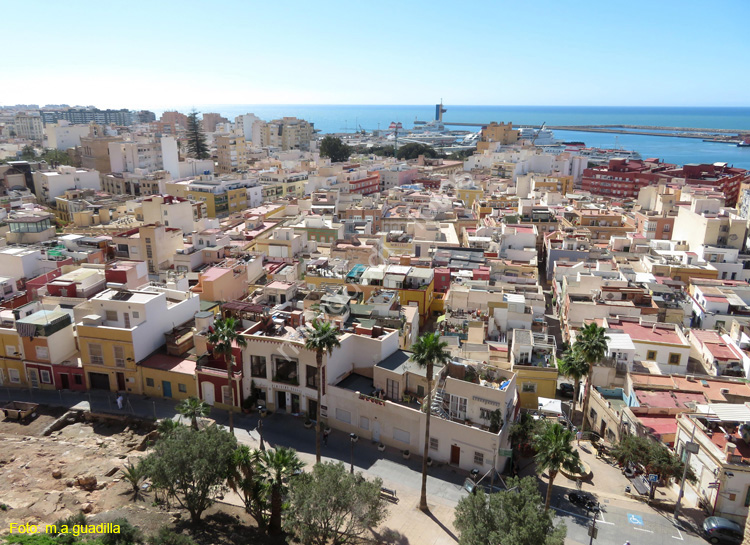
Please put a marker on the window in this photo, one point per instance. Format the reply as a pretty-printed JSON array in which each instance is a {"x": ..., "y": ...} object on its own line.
[
  {"x": 119, "y": 356},
  {"x": 10, "y": 350},
  {"x": 674, "y": 359},
  {"x": 479, "y": 458},
  {"x": 42, "y": 352},
  {"x": 258, "y": 366},
  {"x": 458, "y": 407},
  {"x": 364, "y": 422},
  {"x": 111, "y": 315},
  {"x": 150, "y": 382},
  {"x": 311, "y": 374},
  {"x": 391, "y": 389},
  {"x": 420, "y": 391},
  {"x": 135, "y": 314},
  {"x": 226, "y": 395},
  {"x": 484, "y": 413},
  {"x": 286, "y": 371},
  {"x": 78, "y": 379},
  {"x": 401, "y": 435},
  {"x": 528, "y": 387},
  {"x": 747, "y": 497},
  {"x": 45, "y": 376},
  {"x": 343, "y": 416},
  {"x": 14, "y": 375},
  {"x": 434, "y": 446},
  {"x": 182, "y": 388},
  {"x": 95, "y": 354},
  {"x": 592, "y": 415},
  {"x": 651, "y": 355}
]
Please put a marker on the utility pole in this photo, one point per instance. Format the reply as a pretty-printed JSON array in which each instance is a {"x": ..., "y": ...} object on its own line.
[{"x": 593, "y": 531}]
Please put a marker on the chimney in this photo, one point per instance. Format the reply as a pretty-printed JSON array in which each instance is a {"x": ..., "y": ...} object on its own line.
[{"x": 729, "y": 449}]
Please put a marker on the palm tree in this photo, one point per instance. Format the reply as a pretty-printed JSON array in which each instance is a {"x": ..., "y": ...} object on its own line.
[
  {"x": 591, "y": 343},
  {"x": 427, "y": 351},
  {"x": 223, "y": 338},
  {"x": 554, "y": 452},
  {"x": 134, "y": 474},
  {"x": 572, "y": 365},
  {"x": 321, "y": 338},
  {"x": 248, "y": 481},
  {"x": 279, "y": 464},
  {"x": 193, "y": 408}
]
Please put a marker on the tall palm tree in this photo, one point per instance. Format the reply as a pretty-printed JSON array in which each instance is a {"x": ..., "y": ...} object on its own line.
[
  {"x": 427, "y": 351},
  {"x": 193, "y": 408},
  {"x": 222, "y": 339},
  {"x": 249, "y": 482},
  {"x": 572, "y": 365},
  {"x": 321, "y": 338},
  {"x": 554, "y": 452},
  {"x": 278, "y": 464},
  {"x": 592, "y": 345}
]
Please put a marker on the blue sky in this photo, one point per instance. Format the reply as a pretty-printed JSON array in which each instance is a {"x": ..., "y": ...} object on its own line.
[{"x": 162, "y": 53}]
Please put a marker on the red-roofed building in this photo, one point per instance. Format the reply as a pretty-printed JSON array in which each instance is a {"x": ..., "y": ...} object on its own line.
[
  {"x": 719, "y": 355},
  {"x": 662, "y": 343}
]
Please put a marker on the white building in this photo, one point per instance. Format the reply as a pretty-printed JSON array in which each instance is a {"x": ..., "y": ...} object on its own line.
[
  {"x": 49, "y": 185},
  {"x": 171, "y": 211},
  {"x": 28, "y": 126},
  {"x": 243, "y": 124},
  {"x": 64, "y": 135}
]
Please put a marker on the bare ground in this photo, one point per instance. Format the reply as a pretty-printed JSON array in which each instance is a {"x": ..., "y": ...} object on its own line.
[{"x": 39, "y": 481}]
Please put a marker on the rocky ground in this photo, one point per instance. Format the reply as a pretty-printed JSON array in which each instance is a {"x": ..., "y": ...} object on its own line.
[{"x": 47, "y": 478}]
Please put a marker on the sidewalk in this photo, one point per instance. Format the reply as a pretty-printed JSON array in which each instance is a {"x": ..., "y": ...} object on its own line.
[{"x": 405, "y": 524}]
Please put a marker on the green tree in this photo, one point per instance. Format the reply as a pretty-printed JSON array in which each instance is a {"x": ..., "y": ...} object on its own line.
[
  {"x": 511, "y": 517},
  {"x": 573, "y": 365},
  {"x": 127, "y": 534},
  {"x": 321, "y": 338},
  {"x": 223, "y": 339},
  {"x": 167, "y": 426},
  {"x": 523, "y": 431},
  {"x": 279, "y": 465},
  {"x": 28, "y": 153},
  {"x": 196, "y": 139},
  {"x": 193, "y": 408},
  {"x": 134, "y": 475},
  {"x": 591, "y": 344},
  {"x": 631, "y": 450},
  {"x": 333, "y": 148},
  {"x": 330, "y": 505},
  {"x": 554, "y": 451},
  {"x": 192, "y": 466},
  {"x": 56, "y": 157},
  {"x": 428, "y": 351},
  {"x": 248, "y": 480},
  {"x": 413, "y": 150}
]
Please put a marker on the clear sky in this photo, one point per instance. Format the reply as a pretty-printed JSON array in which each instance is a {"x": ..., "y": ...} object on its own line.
[{"x": 163, "y": 53}]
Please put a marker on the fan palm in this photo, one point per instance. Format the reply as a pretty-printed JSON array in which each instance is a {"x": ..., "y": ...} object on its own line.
[
  {"x": 572, "y": 365},
  {"x": 193, "y": 408},
  {"x": 591, "y": 343},
  {"x": 134, "y": 474},
  {"x": 222, "y": 339},
  {"x": 248, "y": 481},
  {"x": 321, "y": 338},
  {"x": 279, "y": 464},
  {"x": 427, "y": 351},
  {"x": 554, "y": 451}
]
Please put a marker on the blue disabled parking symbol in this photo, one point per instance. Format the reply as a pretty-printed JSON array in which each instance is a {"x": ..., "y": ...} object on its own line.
[{"x": 635, "y": 519}]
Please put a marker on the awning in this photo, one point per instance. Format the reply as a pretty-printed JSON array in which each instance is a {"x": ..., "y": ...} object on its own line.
[
  {"x": 548, "y": 405},
  {"x": 726, "y": 412},
  {"x": 440, "y": 319}
]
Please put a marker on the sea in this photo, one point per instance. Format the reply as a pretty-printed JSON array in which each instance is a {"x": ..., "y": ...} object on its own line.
[{"x": 351, "y": 118}]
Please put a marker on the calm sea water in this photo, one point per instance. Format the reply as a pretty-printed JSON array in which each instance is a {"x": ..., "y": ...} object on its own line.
[{"x": 348, "y": 118}]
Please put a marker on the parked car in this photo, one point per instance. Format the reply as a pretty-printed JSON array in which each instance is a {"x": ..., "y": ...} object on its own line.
[
  {"x": 566, "y": 389},
  {"x": 721, "y": 530},
  {"x": 582, "y": 500}
]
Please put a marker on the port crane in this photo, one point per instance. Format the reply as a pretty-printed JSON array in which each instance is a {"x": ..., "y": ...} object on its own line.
[{"x": 538, "y": 132}]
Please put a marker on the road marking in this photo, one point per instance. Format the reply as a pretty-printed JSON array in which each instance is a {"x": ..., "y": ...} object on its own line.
[
  {"x": 644, "y": 530},
  {"x": 678, "y": 531},
  {"x": 582, "y": 516},
  {"x": 602, "y": 521},
  {"x": 635, "y": 519}
]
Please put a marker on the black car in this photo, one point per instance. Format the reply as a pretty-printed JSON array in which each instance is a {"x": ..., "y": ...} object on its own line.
[{"x": 566, "y": 389}]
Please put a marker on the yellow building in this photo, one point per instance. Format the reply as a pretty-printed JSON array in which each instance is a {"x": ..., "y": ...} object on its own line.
[
  {"x": 559, "y": 183},
  {"x": 108, "y": 359},
  {"x": 496, "y": 133},
  {"x": 11, "y": 356},
  {"x": 171, "y": 377},
  {"x": 469, "y": 195},
  {"x": 533, "y": 361},
  {"x": 231, "y": 153}
]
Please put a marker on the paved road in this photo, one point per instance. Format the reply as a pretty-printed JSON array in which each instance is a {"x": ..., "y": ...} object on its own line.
[{"x": 624, "y": 521}]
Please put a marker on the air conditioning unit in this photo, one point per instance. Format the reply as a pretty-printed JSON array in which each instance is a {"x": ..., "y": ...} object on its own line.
[{"x": 724, "y": 390}]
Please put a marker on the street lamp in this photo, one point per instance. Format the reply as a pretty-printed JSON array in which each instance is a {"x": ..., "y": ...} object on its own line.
[
  {"x": 353, "y": 439},
  {"x": 592, "y": 529},
  {"x": 261, "y": 410}
]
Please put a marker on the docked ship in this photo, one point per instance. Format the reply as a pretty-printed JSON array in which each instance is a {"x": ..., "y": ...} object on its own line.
[
  {"x": 744, "y": 143},
  {"x": 540, "y": 137}
]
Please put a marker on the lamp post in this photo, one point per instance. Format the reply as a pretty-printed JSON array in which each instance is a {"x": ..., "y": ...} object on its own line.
[
  {"x": 352, "y": 439},
  {"x": 593, "y": 530},
  {"x": 261, "y": 410}
]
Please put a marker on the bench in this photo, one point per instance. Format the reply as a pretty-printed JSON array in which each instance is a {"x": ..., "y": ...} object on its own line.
[
  {"x": 389, "y": 493},
  {"x": 640, "y": 486}
]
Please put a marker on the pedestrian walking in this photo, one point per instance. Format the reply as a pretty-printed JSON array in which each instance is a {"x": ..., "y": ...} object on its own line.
[
  {"x": 119, "y": 401},
  {"x": 579, "y": 436},
  {"x": 325, "y": 438}
]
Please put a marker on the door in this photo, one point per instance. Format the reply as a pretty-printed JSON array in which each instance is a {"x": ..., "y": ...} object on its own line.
[
  {"x": 34, "y": 378},
  {"x": 64, "y": 381},
  {"x": 312, "y": 409},
  {"x": 121, "y": 382},
  {"x": 99, "y": 381},
  {"x": 455, "y": 454},
  {"x": 166, "y": 388},
  {"x": 208, "y": 393},
  {"x": 126, "y": 319},
  {"x": 281, "y": 401},
  {"x": 376, "y": 431},
  {"x": 295, "y": 404}
]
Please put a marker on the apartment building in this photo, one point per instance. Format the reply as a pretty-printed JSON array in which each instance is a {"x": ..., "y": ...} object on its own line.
[
  {"x": 231, "y": 153},
  {"x": 223, "y": 196},
  {"x": 288, "y": 133},
  {"x": 49, "y": 349},
  {"x": 175, "y": 212},
  {"x": 50, "y": 184},
  {"x": 496, "y": 134},
  {"x": 63, "y": 135},
  {"x": 137, "y": 184},
  {"x": 123, "y": 327},
  {"x": 154, "y": 243},
  {"x": 28, "y": 126},
  {"x": 95, "y": 151}
]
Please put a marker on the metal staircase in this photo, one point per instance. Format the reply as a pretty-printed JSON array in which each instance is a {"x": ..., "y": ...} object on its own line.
[{"x": 437, "y": 404}]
